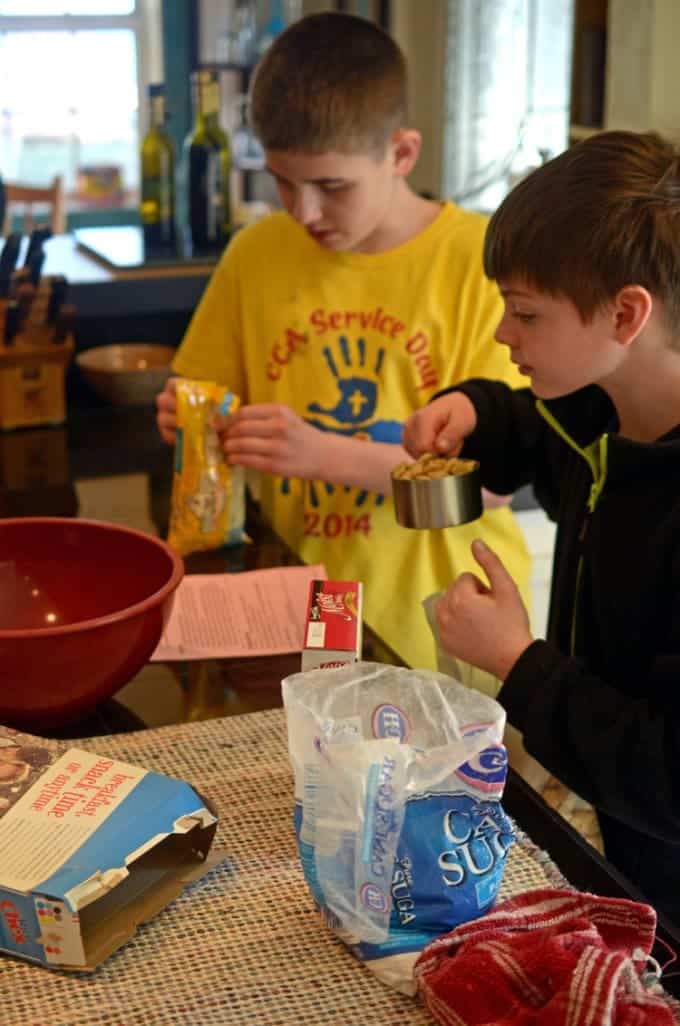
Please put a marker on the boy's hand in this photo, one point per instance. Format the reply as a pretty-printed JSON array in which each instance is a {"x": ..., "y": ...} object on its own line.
[
  {"x": 272, "y": 438},
  {"x": 487, "y": 627},
  {"x": 166, "y": 411},
  {"x": 441, "y": 426}
]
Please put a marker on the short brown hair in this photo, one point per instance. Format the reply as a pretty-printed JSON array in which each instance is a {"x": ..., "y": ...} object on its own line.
[
  {"x": 601, "y": 215},
  {"x": 329, "y": 82}
]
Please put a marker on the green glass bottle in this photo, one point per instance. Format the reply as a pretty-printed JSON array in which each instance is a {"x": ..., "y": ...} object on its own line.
[
  {"x": 207, "y": 156},
  {"x": 157, "y": 178}
]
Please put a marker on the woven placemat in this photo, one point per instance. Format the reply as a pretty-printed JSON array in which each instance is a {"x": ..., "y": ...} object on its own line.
[{"x": 244, "y": 946}]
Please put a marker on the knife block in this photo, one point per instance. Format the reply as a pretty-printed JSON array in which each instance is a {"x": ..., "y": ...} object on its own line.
[
  {"x": 32, "y": 379},
  {"x": 34, "y": 460}
]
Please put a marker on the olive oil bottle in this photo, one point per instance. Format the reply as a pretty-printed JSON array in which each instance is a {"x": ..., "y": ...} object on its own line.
[
  {"x": 157, "y": 179},
  {"x": 207, "y": 157}
]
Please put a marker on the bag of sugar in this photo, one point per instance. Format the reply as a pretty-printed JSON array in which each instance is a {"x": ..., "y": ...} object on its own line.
[{"x": 398, "y": 779}]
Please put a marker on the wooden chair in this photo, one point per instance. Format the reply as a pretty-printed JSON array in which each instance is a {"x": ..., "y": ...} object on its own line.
[{"x": 26, "y": 196}]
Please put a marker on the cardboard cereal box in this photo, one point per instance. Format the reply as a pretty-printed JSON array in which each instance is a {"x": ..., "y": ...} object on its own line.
[
  {"x": 333, "y": 625},
  {"x": 89, "y": 848}
]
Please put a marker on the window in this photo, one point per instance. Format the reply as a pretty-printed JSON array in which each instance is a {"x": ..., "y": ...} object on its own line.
[
  {"x": 506, "y": 93},
  {"x": 71, "y": 73}
]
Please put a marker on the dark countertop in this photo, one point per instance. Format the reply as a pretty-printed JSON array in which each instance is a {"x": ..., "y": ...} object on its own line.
[
  {"x": 100, "y": 288},
  {"x": 111, "y": 464},
  {"x": 153, "y": 302}
]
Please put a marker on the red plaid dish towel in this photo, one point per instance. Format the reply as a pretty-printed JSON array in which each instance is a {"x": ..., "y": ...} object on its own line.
[{"x": 545, "y": 958}]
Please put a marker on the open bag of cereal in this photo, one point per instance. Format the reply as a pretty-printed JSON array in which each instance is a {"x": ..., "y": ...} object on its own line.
[
  {"x": 398, "y": 779},
  {"x": 208, "y": 495}
]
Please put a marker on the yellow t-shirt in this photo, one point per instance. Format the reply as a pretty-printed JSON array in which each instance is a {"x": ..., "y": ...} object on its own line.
[{"x": 354, "y": 343}]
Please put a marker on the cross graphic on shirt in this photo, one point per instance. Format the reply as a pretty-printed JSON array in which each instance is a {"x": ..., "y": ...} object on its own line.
[{"x": 356, "y": 400}]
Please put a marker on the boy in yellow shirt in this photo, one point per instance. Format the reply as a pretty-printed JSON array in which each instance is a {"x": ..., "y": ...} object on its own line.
[{"x": 337, "y": 317}]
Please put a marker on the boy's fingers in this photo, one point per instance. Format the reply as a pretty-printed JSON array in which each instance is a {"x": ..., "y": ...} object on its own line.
[
  {"x": 469, "y": 582},
  {"x": 413, "y": 436},
  {"x": 167, "y": 399},
  {"x": 223, "y": 421},
  {"x": 447, "y": 439},
  {"x": 488, "y": 560},
  {"x": 260, "y": 411},
  {"x": 444, "y": 443},
  {"x": 237, "y": 427}
]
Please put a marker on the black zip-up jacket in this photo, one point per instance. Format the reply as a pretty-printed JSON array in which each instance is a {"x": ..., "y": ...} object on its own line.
[{"x": 598, "y": 703}]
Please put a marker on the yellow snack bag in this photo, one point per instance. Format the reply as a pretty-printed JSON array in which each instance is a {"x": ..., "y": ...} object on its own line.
[{"x": 208, "y": 496}]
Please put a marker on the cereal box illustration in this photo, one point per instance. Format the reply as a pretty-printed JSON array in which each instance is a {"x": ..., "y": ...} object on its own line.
[{"x": 333, "y": 633}]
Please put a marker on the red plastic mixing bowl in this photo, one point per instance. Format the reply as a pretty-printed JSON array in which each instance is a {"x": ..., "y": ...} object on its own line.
[{"x": 83, "y": 604}]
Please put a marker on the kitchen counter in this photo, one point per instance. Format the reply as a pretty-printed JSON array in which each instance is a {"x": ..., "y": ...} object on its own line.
[
  {"x": 153, "y": 302},
  {"x": 100, "y": 289},
  {"x": 244, "y": 946},
  {"x": 111, "y": 464}
]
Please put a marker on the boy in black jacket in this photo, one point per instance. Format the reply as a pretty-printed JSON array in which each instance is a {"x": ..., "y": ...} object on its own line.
[{"x": 586, "y": 251}]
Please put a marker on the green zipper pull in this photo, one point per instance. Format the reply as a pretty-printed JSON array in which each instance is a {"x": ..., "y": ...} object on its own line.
[{"x": 595, "y": 456}]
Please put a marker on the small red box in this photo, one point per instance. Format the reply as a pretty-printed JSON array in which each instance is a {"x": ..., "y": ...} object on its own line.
[{"x": 333, "y": 625}]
